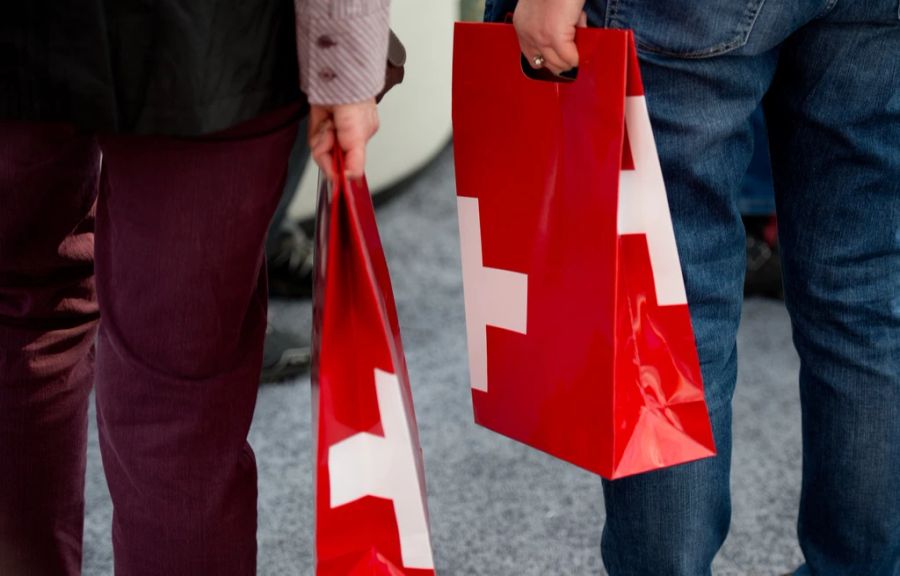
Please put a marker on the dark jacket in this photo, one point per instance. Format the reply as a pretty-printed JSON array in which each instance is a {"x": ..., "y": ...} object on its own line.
[{"x": 177, "y": 67}]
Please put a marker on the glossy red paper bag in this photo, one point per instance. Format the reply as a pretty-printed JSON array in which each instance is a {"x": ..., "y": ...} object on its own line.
[
  {"x": 580, "y": 340},
  {"x": 371, "y": 512}
]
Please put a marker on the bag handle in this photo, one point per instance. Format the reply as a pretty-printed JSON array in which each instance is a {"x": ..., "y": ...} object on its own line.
[{"x": 596, "y": 46}]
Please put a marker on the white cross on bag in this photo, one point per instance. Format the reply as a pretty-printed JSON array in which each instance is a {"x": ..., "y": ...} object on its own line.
[
  {"x": 644, "y": 207},
  {"x": 493, "y": 297},
  {"x": 368, "y": 465}
]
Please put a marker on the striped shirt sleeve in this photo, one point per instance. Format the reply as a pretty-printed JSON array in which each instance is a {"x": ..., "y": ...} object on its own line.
[{"x": 342, "y": 49}]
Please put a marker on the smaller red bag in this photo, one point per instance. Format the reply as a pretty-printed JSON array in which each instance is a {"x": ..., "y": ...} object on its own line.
[{"x": 371, "y": 512}]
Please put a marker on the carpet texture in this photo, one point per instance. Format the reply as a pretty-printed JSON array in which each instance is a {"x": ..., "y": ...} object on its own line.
[{"x": 497, "y": 507}]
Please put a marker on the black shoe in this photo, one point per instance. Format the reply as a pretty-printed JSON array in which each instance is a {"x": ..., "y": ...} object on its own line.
[
  {"x": 290, "y": 267},
  {"x": 285, "y": 355}
]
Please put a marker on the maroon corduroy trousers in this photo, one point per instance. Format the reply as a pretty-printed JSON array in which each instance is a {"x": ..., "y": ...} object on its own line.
[{"x": 134, "y": 264}]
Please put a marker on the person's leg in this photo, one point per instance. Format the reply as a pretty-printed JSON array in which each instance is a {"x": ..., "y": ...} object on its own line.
[
  {"x": 48, "y": 316},
  {"x": 705, "y": 72},
  {"x": 672, "y": 522},
  {"x": 181, "y": 227},
  {"x": 834, "y": 114}
]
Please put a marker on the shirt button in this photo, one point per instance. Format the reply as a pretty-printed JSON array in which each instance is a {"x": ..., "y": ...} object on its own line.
[
  {"x": 327, "y": 74},
  {"x": 325, "y": 41}
]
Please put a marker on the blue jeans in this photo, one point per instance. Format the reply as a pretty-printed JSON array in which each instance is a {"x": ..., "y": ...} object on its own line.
[{"x": 830, "y": 71}]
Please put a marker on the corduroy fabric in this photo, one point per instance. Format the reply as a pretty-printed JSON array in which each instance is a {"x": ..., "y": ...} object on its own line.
[{"x": 177, "y": 261}]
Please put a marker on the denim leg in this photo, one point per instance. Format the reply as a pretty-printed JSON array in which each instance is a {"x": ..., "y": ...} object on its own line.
[
  {"x": 673, "y": 521},
  {"x": 835, "y": 114}
]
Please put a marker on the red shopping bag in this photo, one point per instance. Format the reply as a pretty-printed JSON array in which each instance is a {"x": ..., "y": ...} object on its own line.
[
  {"x": 580, "y": 341},
  {"x": 371, "y": 513}
]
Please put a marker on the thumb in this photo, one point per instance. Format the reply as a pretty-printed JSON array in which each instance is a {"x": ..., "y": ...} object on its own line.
[{"x": 582, "y": 20}]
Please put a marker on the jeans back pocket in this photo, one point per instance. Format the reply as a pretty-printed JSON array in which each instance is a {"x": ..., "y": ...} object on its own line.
[{"x": 686, "y": 28}]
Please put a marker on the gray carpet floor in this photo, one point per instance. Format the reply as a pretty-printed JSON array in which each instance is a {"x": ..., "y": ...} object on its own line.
[{"x": 497, "y": 507}]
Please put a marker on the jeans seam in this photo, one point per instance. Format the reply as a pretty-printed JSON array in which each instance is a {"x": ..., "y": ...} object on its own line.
[
  {"x": 744, "y": 31},
  {"x": 611, "y": 10}
]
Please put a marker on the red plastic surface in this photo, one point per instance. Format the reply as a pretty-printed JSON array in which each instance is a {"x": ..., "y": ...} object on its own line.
[
  {"x": 356, "y": 337},
  {"x": 601, "y": 376}
]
